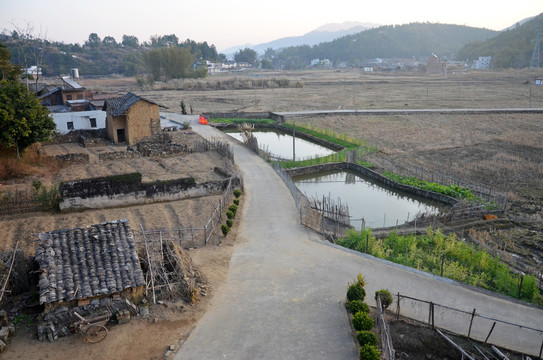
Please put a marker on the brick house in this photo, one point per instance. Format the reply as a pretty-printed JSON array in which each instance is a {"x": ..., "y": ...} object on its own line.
[{"x": 131, "y": 118}]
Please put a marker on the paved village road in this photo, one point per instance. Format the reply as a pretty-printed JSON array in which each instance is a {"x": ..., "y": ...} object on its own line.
[{"x": 283, "y": 296}]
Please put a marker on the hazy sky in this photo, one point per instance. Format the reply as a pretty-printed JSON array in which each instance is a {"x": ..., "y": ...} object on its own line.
[{"x": 238, "y": 22}]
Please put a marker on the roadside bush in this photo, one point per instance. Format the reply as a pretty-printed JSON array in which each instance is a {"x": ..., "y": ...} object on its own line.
[
  {"x": 233, "y": 208},
  {"x": 362, "y": 321},
  {"x": 386, "y": 297},
  {"x": 369, "y": 352},
  {"x": 358, "y": 306},
  {"x": 225, "y": 229},
  {"x": 236, "y": 202},
  {"x": 355, "y": 292},
  {"x": 230, "y": 214},
  {"x": 229, "y": 223},
  {"x": 237, "y": 193},
  {"x": 366, "y": 338}
]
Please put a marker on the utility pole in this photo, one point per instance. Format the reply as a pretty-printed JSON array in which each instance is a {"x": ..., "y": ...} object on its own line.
[{"x": 536, "y": 54}]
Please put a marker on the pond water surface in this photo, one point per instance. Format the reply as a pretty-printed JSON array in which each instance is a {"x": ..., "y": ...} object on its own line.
[
  {"x": 280, "y": 145},
  {"x": 377, "y": 203}
]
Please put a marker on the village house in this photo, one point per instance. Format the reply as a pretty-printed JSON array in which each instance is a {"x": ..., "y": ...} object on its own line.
[
  {"x": 81, "y": 264},
  {"x": 131, "y": 119},
  {"x": 435, "y": 66}
]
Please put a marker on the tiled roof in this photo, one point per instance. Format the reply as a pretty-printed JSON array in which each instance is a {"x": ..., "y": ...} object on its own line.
[
  {"x": 120, "y": 105},
  {"x": 88, "y": 261},
  {"x": 71, "y": 82}
]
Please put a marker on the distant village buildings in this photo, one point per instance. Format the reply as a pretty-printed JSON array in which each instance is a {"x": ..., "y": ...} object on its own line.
[
  {"x": 483, "y": 62},
  {"x": 435, "y": 66}
]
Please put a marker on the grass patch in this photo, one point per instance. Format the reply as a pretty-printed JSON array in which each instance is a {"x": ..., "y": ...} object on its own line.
[
  {"x": 335, "y": 157},
  {"x": 450, "y": 190},
  {"x": 346, "y": 141},
  {"x": 241, "y": 121},
  {"x": 461, "y": 261}
]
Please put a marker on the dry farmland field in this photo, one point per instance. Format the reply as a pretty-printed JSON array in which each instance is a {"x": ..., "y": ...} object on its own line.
[{"x": 502, "y": 152}]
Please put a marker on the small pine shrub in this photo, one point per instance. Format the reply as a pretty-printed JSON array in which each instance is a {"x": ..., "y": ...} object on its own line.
[
  {"x": 233, "y": 208},
  {"x": 358, "y": 306},
  {"x": 355, "y": 292},
  {"x": 230, "y": 215},
  {"x": 225, "y": 229},
  {"x": 369, "y": 352},
  {"x": 386, "y": 297},
  {"x": 237, "y": 193},
  {"x": 366, "y": 338},
  {"x": 229, "y": 223},
  {"x": 236, "y": 202},
  {"x": 362, "y": 321}
]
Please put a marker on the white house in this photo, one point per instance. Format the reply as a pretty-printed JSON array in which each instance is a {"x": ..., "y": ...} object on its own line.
[
  {"x": 483, "y": 62},
  {"x": 79, "y": 120}
]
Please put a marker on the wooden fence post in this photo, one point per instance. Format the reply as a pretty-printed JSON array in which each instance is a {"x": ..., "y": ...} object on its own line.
[
  {"x": 490, "y": 332},
  {"x": 471, "y": 322},
  {"x": 520, "y": 286},
  {"x": 398, "y": 308}
]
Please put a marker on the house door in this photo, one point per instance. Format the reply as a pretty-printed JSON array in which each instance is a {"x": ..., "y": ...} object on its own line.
[{"x": 120, "y": 135}]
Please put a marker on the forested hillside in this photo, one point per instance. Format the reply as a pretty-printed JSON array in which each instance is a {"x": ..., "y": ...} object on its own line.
[
  {"x": 511, "y": 48},
  {"x": 104, "y": 56},
  {"x": 400, "y": 41}
]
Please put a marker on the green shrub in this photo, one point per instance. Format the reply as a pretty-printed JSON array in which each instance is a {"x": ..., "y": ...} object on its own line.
[
  {"x": 236, "y": 202},
  {"x": 225, "y": 229},
  {"x": 237, "y": 193},
  {"x": 358, "y": 306},
  {"x": 230, "y": 214},
  {"x": 369, "y": 352},
  {"x": 355, "y": 292},
  {"x": 386, "y": 297},
  {"x": 366, "y": 338},
  {"x": 362, "y": 321},
  {"x": 229, "y": 223},
  {"x": 233, "y": 208}
]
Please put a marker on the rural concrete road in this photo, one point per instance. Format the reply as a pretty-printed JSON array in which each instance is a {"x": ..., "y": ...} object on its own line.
[{"x": 285, "y": 287}]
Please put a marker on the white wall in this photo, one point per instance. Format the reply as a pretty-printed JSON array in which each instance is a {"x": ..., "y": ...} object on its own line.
[{"x": 80, "y": 119}]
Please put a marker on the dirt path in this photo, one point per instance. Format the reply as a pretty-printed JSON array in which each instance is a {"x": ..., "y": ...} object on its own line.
[{"x": 284, "y": 290}]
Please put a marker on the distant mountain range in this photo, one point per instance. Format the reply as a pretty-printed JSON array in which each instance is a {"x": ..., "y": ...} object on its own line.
[{"x": 322, "y": 34}]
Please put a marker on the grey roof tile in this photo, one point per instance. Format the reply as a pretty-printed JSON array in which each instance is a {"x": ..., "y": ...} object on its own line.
[{"x": 85, "y": 262}]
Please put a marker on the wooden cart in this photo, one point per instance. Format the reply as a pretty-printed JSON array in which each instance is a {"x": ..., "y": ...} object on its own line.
[{"x": 92, "y": 327}]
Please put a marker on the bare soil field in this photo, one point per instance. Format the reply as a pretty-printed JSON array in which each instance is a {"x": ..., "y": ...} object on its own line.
[{"x": 167, "y": 324}]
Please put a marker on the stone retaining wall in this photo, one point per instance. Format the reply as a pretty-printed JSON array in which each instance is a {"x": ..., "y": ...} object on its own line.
[
  {"x": 105, "y": 192},
  {"x": 76, "y": 158}
]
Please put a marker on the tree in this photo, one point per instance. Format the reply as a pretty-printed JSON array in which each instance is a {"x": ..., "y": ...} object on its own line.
[
  {"x": 246, "y": 55},
  {"x": 130, "y": 41},
  {"x": 29, "y": 50},
  {"x": 94, "y": 40},
  {"x": 23, "y": 120},
  {"x": 8, "y": 71},
  {"x": 109, "y": 41}
]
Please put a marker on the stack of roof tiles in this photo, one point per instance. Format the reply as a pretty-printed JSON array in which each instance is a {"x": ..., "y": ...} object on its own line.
[{"x": 86, "y": 262}]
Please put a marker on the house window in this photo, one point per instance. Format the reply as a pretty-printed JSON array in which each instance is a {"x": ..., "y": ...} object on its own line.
[
  {"x": 93, "y": 122},
  {"x": 70, "y": 125},
  {"x": 68, "y": 97},
  {"x": 80, "y": 96}
]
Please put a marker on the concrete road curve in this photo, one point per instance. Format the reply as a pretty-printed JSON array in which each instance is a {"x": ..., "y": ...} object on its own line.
[{"x": 283, "y": 297}]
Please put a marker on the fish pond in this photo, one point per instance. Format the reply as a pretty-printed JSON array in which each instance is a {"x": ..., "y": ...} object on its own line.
[
  {"x": 280, "y": 145},
  {"x": 376, "y": 203}
]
